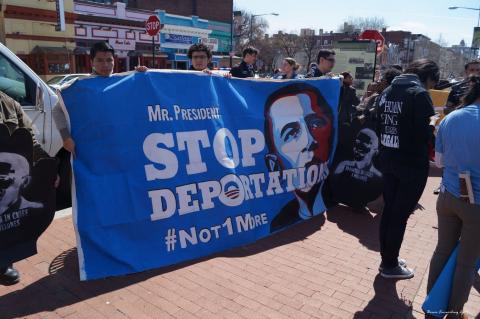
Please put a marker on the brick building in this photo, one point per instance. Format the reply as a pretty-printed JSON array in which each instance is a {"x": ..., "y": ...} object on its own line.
[
  {"x": 215, "y": 10},
  {"x": 28, "y": 28}
]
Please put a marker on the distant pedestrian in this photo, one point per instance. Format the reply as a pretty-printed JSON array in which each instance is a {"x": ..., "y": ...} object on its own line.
[
  {"x": 348, "y": 99},
  {"x": 460, "y": 89},
  {"x": 457, "y": 152},
  {"x": 368, "y": 103},
  {"x": 246, "y": 69},
  {"x": 403, "y": 118},
  {"x": 289, "y": 69},
  {"x": 397, "y": 67},
  {"x": 313, "y": 71},
  {"x": 326, "y": 61}
]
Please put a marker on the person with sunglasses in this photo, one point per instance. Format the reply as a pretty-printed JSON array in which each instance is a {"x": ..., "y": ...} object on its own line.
[
  {"x": 325, "y": 61},
  {"x": 200, "y": 57}
]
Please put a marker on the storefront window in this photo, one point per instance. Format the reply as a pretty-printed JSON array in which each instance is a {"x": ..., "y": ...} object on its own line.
[{"x": 58, "y": 68}]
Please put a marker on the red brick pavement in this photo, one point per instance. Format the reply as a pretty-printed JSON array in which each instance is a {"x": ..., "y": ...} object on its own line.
[{"x": 323, "y": 269}]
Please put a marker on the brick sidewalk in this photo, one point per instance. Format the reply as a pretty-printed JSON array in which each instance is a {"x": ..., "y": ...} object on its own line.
[{"x": 323, "y": 269}]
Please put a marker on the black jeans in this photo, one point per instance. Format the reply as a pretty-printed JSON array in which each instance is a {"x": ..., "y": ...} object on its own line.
[
  {"x": 3, "y": 268},
  {"x": 403, "y": 187}
]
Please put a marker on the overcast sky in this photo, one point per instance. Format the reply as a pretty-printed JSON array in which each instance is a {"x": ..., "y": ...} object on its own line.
[{"x": 431, "y": 18}]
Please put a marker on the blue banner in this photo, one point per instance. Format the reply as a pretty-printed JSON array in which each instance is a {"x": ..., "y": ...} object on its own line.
[
  {"x": 172, "y": 166},
  {"x": 436, "y": 303}
]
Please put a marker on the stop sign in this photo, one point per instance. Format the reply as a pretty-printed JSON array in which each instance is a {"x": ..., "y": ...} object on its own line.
[
  {"x": 152, "y": 25},
  {"x": 373, "y": 35}
]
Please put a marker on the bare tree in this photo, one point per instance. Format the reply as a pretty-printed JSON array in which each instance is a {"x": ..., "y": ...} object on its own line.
[
  {"x": 247, "y": 31},
  {"x": 267, "y": 53},
  {"x": 309, "y": 46},
  {"x": 287, "y": 42},
  {"x": 363, "y": 23},
  {"x": 441, "y": 41}
]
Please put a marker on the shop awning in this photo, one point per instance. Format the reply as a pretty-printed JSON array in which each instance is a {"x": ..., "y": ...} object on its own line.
[
  {"x": 147, "y": 53},
  {"x": 51, "y": 50},
  {"x": 80, "y": 50}
]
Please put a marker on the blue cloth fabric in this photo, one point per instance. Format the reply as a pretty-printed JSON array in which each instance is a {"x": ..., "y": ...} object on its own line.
[
  {"x": 458, "y": 139},
  {"x": 172, "y": 166},
  {"x": 436, "y": 303}
]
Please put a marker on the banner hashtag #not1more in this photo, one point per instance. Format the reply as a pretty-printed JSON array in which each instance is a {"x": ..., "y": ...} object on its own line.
[{"x": 172, "y": 166}]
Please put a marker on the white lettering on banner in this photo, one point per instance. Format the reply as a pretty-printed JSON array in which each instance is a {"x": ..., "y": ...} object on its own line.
[
  {"x": 160, "y": 156},
  {"x": 187, "y": 205},
  {"x": 163, "y": 203},
  {"x": 256, "y": 179},
  {"x": 253, "y": 142},
  {"x": 274, "y": 186},
  {"x": 195, "y": 236},
  {"x": 248, "y": 222},
  {"x": 225, "y": 149},
  {"x": 290, "y": 174},
  {"x": 156, "y": 113},
  {"x": 231, "y": 190},
  {"x": 209, "y": 190},
  {"x": 190, "y": 141},
  {"x": 223, "y": 142}
]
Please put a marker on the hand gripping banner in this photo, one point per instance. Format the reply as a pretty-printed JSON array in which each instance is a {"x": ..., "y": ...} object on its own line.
[{"x": 172, "y": 166}]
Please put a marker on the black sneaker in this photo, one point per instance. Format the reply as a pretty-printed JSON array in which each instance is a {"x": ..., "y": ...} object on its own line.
[
  {"x": 401, "y": 262},
  {"x": 9, "y": 276},
  {"x": 398, "y": 272}
]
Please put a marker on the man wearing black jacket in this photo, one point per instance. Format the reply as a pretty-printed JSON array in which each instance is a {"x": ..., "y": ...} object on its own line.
[
  {"x": 246, "y": 69},
  {"x": 458, "y": 90},
  {"x": 404, "y": 111},
  {"x": 348, "y": 99}
]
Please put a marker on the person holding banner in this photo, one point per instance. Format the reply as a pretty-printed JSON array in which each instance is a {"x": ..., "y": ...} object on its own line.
[
  {"x": 403, "y": 117},
  {"x": 102, "y": 57},
  {"x": 200, "y": 57},
  {"x": 289, "y": 69},
  {"x": 348, "y": 99},
  {"x": 246, "y": 69},
  {"x": 326, "y": 61},
  {"x": 458, "y": 209},
  {"x": 14, "y": 173}
]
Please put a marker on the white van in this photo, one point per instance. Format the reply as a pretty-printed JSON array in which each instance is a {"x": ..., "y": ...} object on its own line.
[{"x": 37, "y": 99}]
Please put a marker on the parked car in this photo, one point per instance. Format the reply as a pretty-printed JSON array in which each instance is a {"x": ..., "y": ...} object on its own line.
[{"x": 57, "y": 81}]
